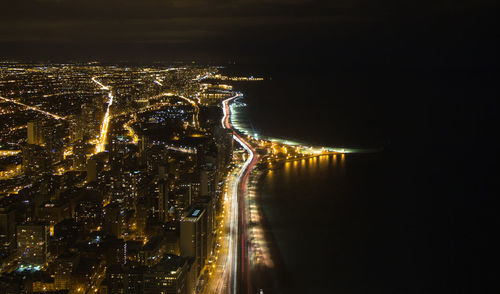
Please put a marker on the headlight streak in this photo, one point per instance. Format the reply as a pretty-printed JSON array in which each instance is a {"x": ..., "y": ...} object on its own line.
[
  {"x": 32, "y": 108},
  {"x": 101, "y": 142}
]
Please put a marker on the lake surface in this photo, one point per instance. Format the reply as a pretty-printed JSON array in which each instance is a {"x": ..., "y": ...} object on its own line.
[{"x": 404, "y": 220}]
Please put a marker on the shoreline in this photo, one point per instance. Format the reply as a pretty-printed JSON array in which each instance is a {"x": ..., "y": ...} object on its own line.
[
  {"x": 268, "y": 278},
  {"x": 277, "y": 274},
  {"x": 245, "y": 131}
]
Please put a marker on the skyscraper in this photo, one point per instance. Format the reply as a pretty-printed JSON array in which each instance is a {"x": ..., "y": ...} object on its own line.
[
  {"x": 35, "y": 160},
  {"x": 7, "y": 226},
  {"x": 163, "y": 200},
  {"x": 32, "y": 244},
  {"x": 193, "y": 236},
  {"x": 91, "y": 169},
  {"x": 34, "y": 133},
  {"x": 169, "y": 276},
  {"x": 113, "y": 220},
  {"x": 79, "y": 155}
]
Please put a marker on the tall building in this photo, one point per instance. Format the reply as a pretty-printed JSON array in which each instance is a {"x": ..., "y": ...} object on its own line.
[
  {"x": 7, "y": 227},
  {"x": 113, "y": 220},
  {"x": 54, "y": 212},
  {"x": 91, "y": 169},
  {"x": 144, "y": 143},
  {"x": 162, "y": 172},
  {"x": 79, "y": 155},
  {"x": 141, "y": 216},
  {"x": 53, "y": 134},
  {"x": 193, "y": 236},
  {"x": 90, "y": 119},
  {"x": 63, "y": 267},
  {"x": 207, "y": 181},
  {"x": 76, "y": 131},
  {"x": 32, "y": 244},
  {"x": 34, "y": 133},
  {"x": 186, "y": 195},
  {"x": 125, "y": 279},
  {"x": 35, "y": 160},
  {"x": 163, "y": 200},
  {"x": 168, "y": 276},
  {"x": 208, "y": 204}
]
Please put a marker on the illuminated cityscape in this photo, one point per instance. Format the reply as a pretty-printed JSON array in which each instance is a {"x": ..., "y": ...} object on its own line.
[
  {"x": 248, "y": 147},
  {"x": 114, "y": 181}
]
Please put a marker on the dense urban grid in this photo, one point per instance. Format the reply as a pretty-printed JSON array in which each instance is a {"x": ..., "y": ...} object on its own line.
[{"x": 128, "y": 179}]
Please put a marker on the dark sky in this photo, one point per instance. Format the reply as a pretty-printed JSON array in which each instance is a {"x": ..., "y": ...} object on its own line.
[{"x": 346, "y": 32}]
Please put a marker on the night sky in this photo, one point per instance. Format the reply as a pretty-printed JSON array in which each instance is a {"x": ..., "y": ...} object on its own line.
[{"x": 347, "y": 34}]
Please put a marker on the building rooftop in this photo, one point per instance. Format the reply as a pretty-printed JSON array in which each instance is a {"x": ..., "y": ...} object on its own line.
[
  {"x": 194, "y": 213},
  {"x": 170, "y": 264}
]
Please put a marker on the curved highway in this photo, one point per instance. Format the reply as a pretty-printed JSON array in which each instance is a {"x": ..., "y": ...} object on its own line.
[{"x": 236, "y": 271}]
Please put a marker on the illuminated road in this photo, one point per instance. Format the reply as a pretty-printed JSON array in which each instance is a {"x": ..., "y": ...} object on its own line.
[
  {"x": 32, "y": 108},
  {"x": 248, "y": 258},
  {"x": 101, "y": 142},
  {"x": 243, "y": 272},
  {"x": 234, "y": 274},
  {"x": 9, "y": 152},
  {"x": 131, "y": 131}
]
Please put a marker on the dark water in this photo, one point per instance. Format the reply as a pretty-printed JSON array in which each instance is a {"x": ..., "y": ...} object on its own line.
[{"x": 415, "y": 218}]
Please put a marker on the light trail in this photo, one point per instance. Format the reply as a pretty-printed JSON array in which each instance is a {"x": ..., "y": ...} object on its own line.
[
  {"x": 103, "y": 87},
  {"x": 131, "y": 131},
  {"x": 241, "y": 254},
  {"x": 32, "y": 108},
  {"x": 237, "y": 226},
  {"x": 101, "y": 142},
  {"x": 242, "y": 181}
]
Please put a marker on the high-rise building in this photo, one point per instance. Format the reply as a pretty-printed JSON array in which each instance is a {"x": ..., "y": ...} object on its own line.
[
  {"x": 125, "y": 279},
  {"x": 53, "y": 134},
  {"x": 35, "y": 160},
  {"x": 163, "y": 200},
  {"x": 141, "y": 216},
  {"x": 208, "y": 203},
  {"x": 162, "y": 172},
  {"x": 54, "y": 212},
  {"x": 7, "y": 226},
  {"x": 32, "y": 244},
  {"x": 113, "y": 220},
  {"x": 34, "y": 133},
  {"x": 193, "y": 236},
  {"x": 207, "y": 181},
  {"x": 76, "y": 131},
  {"x": 79, "y": 155},
  {"x": 91, "y": 169},
  {"x": 63, "y": 267},
  {"x": 187, "y": 192},
  {"x": 168, "y": 276},
  {"x": 144, "y": 143},
  {"x": 90, "y": 119}
]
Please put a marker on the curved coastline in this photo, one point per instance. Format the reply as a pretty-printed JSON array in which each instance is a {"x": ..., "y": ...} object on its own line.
[
  {"x": 275, "y": 277},
  {"x": 270, "y": 278},
  {"x": 242, "y": 130}
]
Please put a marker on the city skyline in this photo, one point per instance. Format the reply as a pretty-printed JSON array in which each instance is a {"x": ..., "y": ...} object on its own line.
[
  {"x": 157, "y": 150},
  {"x": 248, "y": 146}
]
